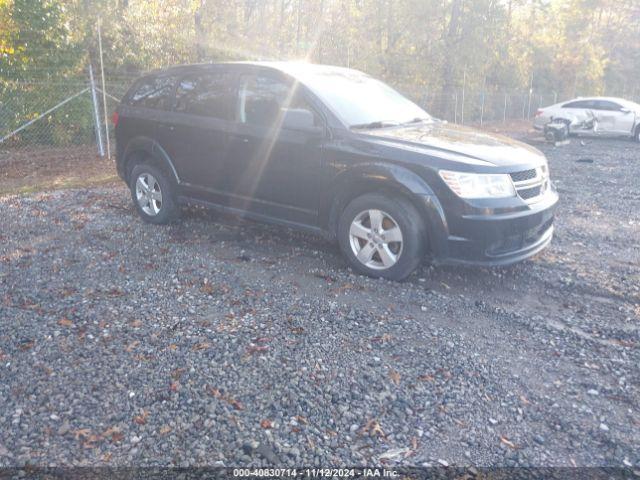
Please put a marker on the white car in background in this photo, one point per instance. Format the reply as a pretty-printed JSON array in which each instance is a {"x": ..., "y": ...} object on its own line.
[{"x": 613, "y": 116}]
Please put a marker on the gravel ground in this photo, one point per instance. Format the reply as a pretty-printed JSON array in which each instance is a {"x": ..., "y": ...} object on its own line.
[{"x": 224, "y": 342}]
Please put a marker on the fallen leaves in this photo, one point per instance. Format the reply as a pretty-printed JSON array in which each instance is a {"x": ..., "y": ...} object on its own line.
[
  {"x": 226, "y": 398},
  {"x": 394, "y": 454},
  {"x": 394, "y": 376},
  {"x": 373, "y": 428},
  {"x": 200, "y": 346},
  {"x": 26, "y": 344},
  {"x": 114, "y": 434},
  {"x": 207, "y": 288},
  {"x": 252, "y": 348},
  {"x": 65, "y": 322},
  {"x": 142, "y": 418},
  {"x": 235, "y": 403},
  {"x": 384, "y": 338},
  {"x": 129, "y": 348},
  {"x": 326, "y": 277},
  {"x": 507, "y": 442},
  {"x": 266, "y": 424},
  {"x": 81, "y": 433},
  {"x": 460, "y": 423},
  {"x": 88, "y": 439}
]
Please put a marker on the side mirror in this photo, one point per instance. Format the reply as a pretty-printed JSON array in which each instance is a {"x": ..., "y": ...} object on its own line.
[
  {"x": 299, "y": 119},
  {"x": 625, "y": 110}
]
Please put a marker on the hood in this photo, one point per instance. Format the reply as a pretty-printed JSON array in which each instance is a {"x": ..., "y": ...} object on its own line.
[{"x": 465, "y": 143}]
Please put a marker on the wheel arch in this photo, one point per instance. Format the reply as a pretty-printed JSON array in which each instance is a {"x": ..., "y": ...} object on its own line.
[
  {"x": 144, "y": 149},
  {"x": 394, "y": 179}
]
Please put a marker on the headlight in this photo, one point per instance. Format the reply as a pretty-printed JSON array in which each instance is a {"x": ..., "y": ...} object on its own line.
[{"x": 479, "y": 185}]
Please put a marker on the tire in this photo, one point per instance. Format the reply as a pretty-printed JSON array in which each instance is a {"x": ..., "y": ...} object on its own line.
[
  {"x": 636, "y": 134},
  {"x": 382, "y": 256},
  {"x": 154, "y": 197},
  {"x": 550, "y": 137}
]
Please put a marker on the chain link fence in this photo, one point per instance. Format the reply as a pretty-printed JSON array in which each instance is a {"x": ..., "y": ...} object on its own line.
[{"x": 41, "y": 118}]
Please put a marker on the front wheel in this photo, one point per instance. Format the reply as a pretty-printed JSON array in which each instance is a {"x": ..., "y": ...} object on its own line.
[
  {"x": 153, "y": 194},
  {"x": 382, "y": 236}
]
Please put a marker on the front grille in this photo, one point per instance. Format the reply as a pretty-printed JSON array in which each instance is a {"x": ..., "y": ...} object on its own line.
[
  {"x": 531, "y": 183},
  {"x": 524, "y": 175},
  {"x": 527, "y": 193}
]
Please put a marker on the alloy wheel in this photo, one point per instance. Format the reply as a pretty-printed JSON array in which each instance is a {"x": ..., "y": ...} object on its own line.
[
  {"x": 376, "y": 239},
  {"x": 148, "y": 194}
]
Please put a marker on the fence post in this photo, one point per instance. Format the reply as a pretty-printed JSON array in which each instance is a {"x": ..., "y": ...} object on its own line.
[
  {"x": 464, "y": 85},
  {"x": 96, "y": 112},
  {"x": 504, "y": 110},
  {"x": 530, "y": 93},
  {"x": 484, "y": 87},
  {"x": 104, "y": 92},
  {"x": 455, "y": 109}
]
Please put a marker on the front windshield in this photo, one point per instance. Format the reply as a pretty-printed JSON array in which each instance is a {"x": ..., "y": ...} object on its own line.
[{"x": 360, "y": 101}]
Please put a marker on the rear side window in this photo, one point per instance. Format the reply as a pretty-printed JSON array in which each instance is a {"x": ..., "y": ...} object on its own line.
[
  {"x": 156, "y": 93},
  {"x": 207, "y": 95},
  {"x": 580, "y": 104}
]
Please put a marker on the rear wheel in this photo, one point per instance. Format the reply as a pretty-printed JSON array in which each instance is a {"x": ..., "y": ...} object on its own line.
[
  {"x": 382, "y": 236},
  {"x": 153, "y": 194}
]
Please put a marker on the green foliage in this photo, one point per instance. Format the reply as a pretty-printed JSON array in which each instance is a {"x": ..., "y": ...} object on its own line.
[
  {"x": 36, "y": 39},
  {"x": 424, "y": 47}
]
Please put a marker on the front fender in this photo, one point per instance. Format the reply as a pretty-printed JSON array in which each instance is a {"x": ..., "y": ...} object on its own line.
[{"x": 373, "y": 176}]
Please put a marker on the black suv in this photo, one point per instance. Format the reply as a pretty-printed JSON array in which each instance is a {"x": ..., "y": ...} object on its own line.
[{"x": 333, "y": 151}]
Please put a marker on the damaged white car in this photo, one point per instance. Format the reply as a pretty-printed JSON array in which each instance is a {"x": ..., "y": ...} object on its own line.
[{"x": 597, "y": 116}]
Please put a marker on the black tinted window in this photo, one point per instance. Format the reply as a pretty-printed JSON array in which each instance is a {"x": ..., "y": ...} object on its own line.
[
  {"x": 154, "y": 92},
  {"x": 580, "y": 104},
  {"x": 209, "y": 95},
  {"x": 262, "y": 98}
]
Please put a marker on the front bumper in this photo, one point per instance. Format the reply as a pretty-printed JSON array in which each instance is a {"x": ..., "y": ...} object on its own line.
[{"x": 492, "y": 239}]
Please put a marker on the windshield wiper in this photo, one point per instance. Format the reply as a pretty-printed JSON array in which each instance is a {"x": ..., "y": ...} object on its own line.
[
  {"x": 416, "y": 120},
  {"x": 376, "y": 124}
]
